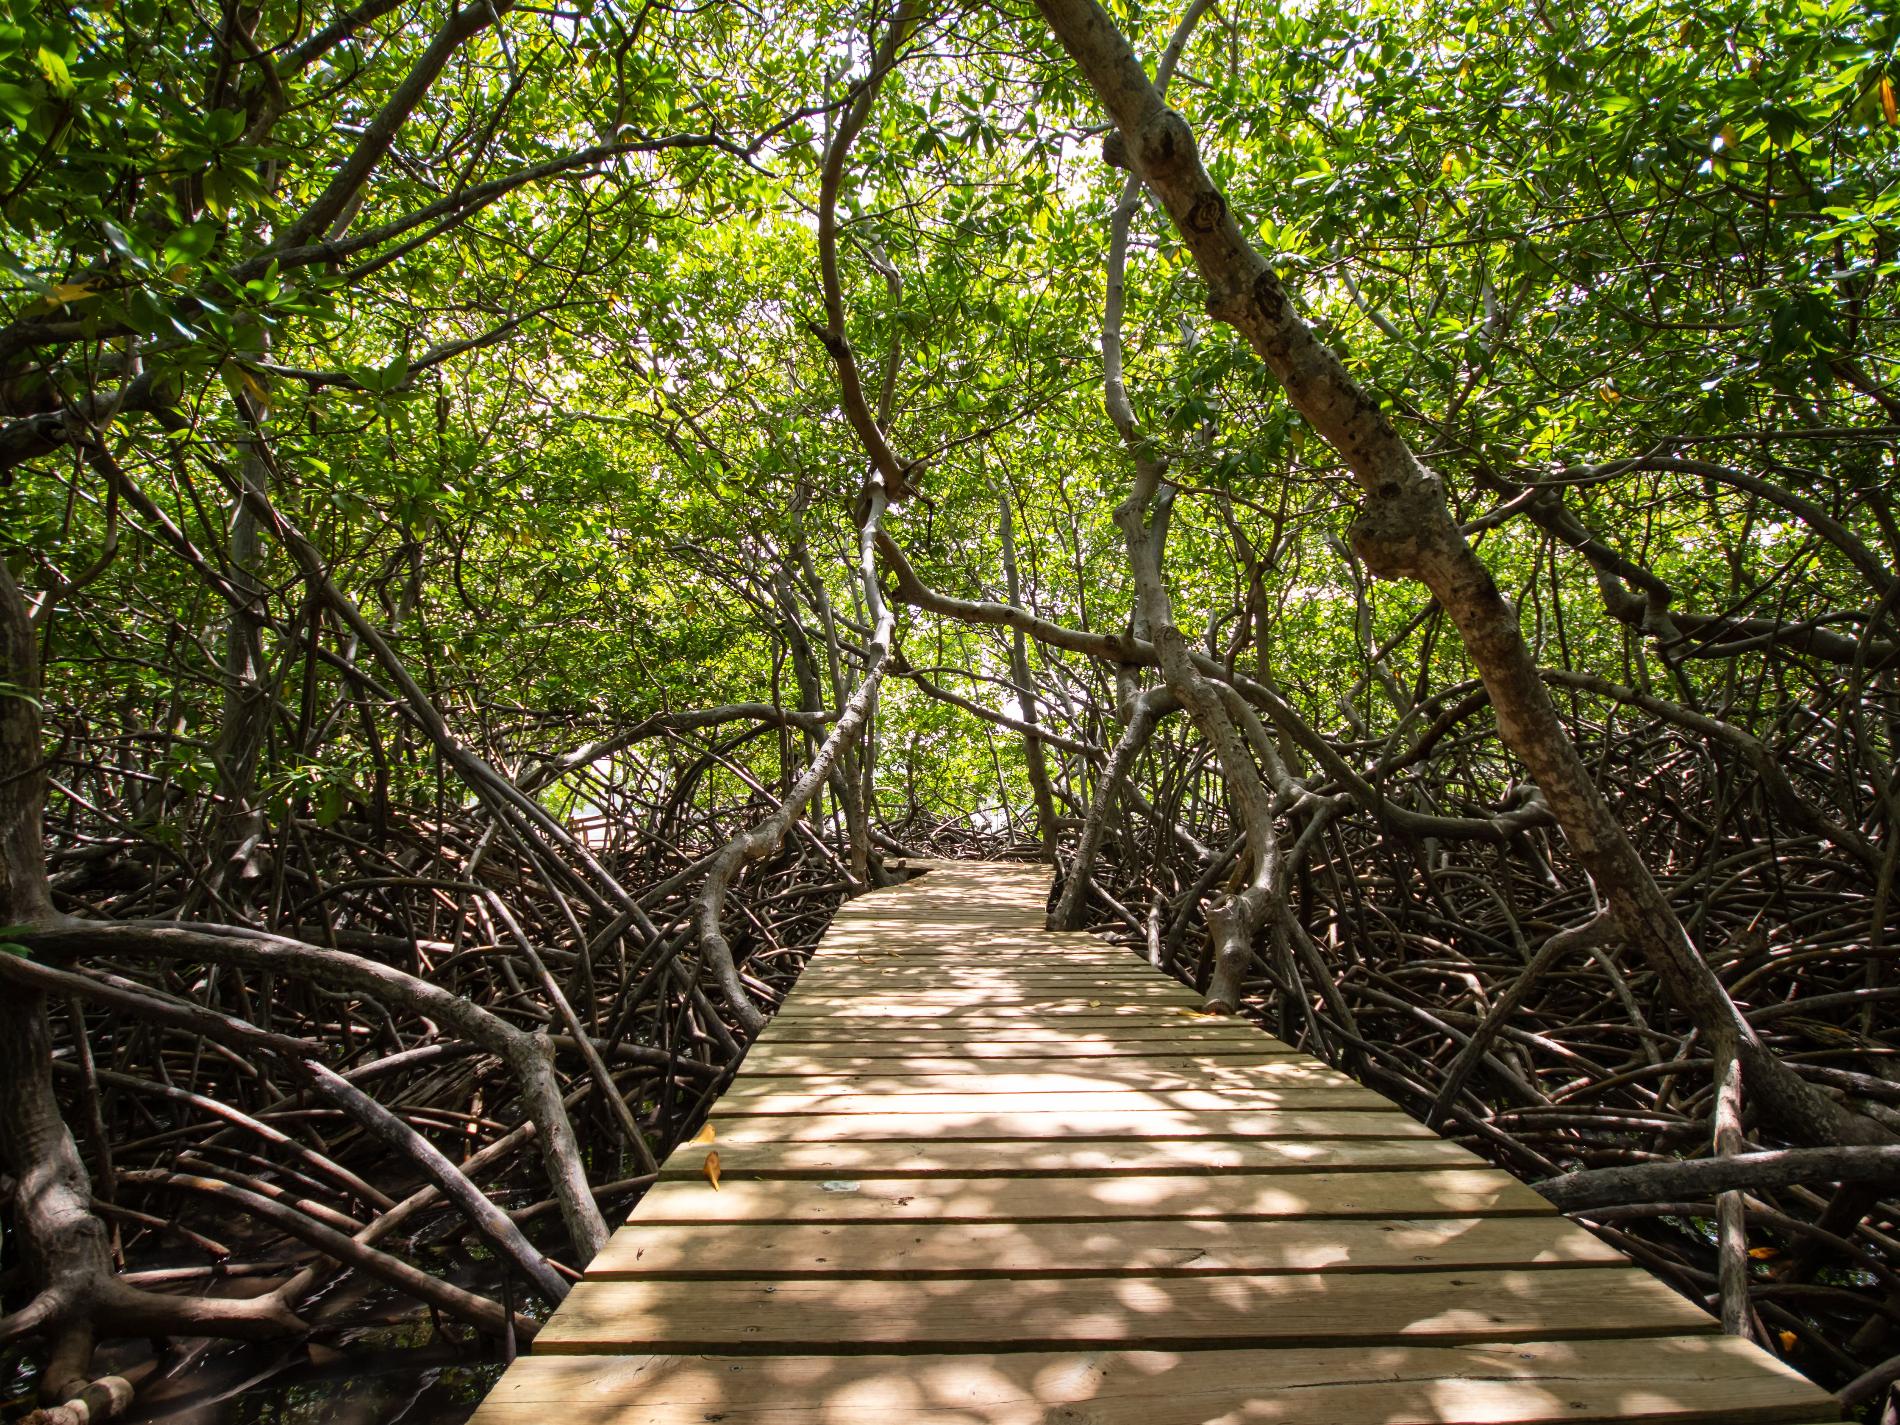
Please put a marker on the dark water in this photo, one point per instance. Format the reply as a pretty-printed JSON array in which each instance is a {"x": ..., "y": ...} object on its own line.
[
  {"x": 404, "y": 1373},
  {"x": 373, "y": 1360},
  {"x": 365, "y": 1382},
  {"x": 374, "y": 1357}
]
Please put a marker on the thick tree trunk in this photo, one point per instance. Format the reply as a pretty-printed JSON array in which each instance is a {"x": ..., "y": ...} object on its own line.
[
  {"x": 246, "y": 697},
  {"x": 1234, "y": 919},
  {"x": 25, "y": 898},
  {"x": 1405, "y": 530},
  {"x": 65, "y": 1248}
]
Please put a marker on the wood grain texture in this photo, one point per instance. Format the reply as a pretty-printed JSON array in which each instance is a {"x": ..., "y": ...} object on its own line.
[
  {"x": 1157, "y": 1312},
  {"x": 800, "y": 1101},
  {"x": 1432, "y": 1192},
  {"x": 1175, "y": 1034},
  {"x": 1007, "y": 1122},
  {"x": 977, "y": 1173},
  {"x": 974, "y": 1010},
  {"x": 799, "y": 1060},
  {"x": 998, "y": 1005},
  {"x": 1167, "y": 1084},
  {"x": 1129, "y": 1247},
  {"x": 1062, "y": 1156},
  {"x": 1697, "y": 1380}
]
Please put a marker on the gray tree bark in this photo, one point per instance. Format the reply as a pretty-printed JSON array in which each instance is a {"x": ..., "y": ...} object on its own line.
[{"x": 1405, "y": 531}]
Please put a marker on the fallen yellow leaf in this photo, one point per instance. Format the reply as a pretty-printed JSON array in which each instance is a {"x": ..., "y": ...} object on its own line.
[
  {"x": 711, "y": 1169},
  {"x": 1788, "y": 1340},
  {"x": 705, "y": 1135}
]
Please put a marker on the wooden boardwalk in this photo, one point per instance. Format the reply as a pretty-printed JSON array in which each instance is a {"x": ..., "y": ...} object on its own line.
[{"x": 977, "y": 1172}]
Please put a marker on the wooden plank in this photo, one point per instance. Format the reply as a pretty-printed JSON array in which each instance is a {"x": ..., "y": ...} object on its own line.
[
  {"x": 1670, "y": 1380},
  {"x": 1062, "y": 1156},
  {"x": 1092, "y": 1013},
  {"x": 931, "y": 1043},
  {"x": 1166, "y": 1041},
  {"x": 1019, "y": 1043},
  {"x": 1007, "y": 988},
  {"x": 913, "y": 948},
  {"x": 1123, "y": 1247},
  {"x": 946, "y": 917},
  {"x": 1154, "y": 998},
  {"x": 1008, "y": 1041},
  {"x": 907, "y": 952},
  {"x": 910, "y": 941},
  {"x": 953, "y": 941},
  {"x": 1433, "y": 1192},
  {"x": 1188, "y": 1033},
  {"x": 1240, "y": 1087},
  {"x": 802, "y": 1060},
  {"x": 850, "y": 979},
  {"x": 1177, "y": 1022},
  {"x": 1003, "y": 908},
  {"x": 797, "y": 1100},
  {"x": 1018, "y": 903},
  {"x": 911, "y": 945},
  {"x": 1014, "y": 948},
  {"x": 793, "y": 1315},
  {"x": 1073, "y": 1018},
  {"x": 954, "y": 960},
  {"x": 994, "y": 998},
  {"x": 1233, "y": 1083},
  {"x": 858, "y": 980},
  {"x": 890, "y": 911},
  {"x": 941, "y": 979},
  {"x": 979, "y": 1015},
  {"x": 974, "y": 1008},
  {"x": 1005, "y": 1122},
  {"x": 1153, "y": 1070},
  {"x": 908, "y": 938}
]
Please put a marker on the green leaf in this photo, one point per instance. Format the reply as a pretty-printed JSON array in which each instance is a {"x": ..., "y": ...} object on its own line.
[
  {"x": 16, "y": 104},
  {"x": 53, "y": 67},
  {"x": 217, "y": 188},
  {"x": 332, "y": 802}
]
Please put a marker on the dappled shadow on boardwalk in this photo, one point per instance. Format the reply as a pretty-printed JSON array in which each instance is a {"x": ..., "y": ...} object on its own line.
[
  {"x": 1684, "y": 1379},
  {"x": 975, "y": 1172}
]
